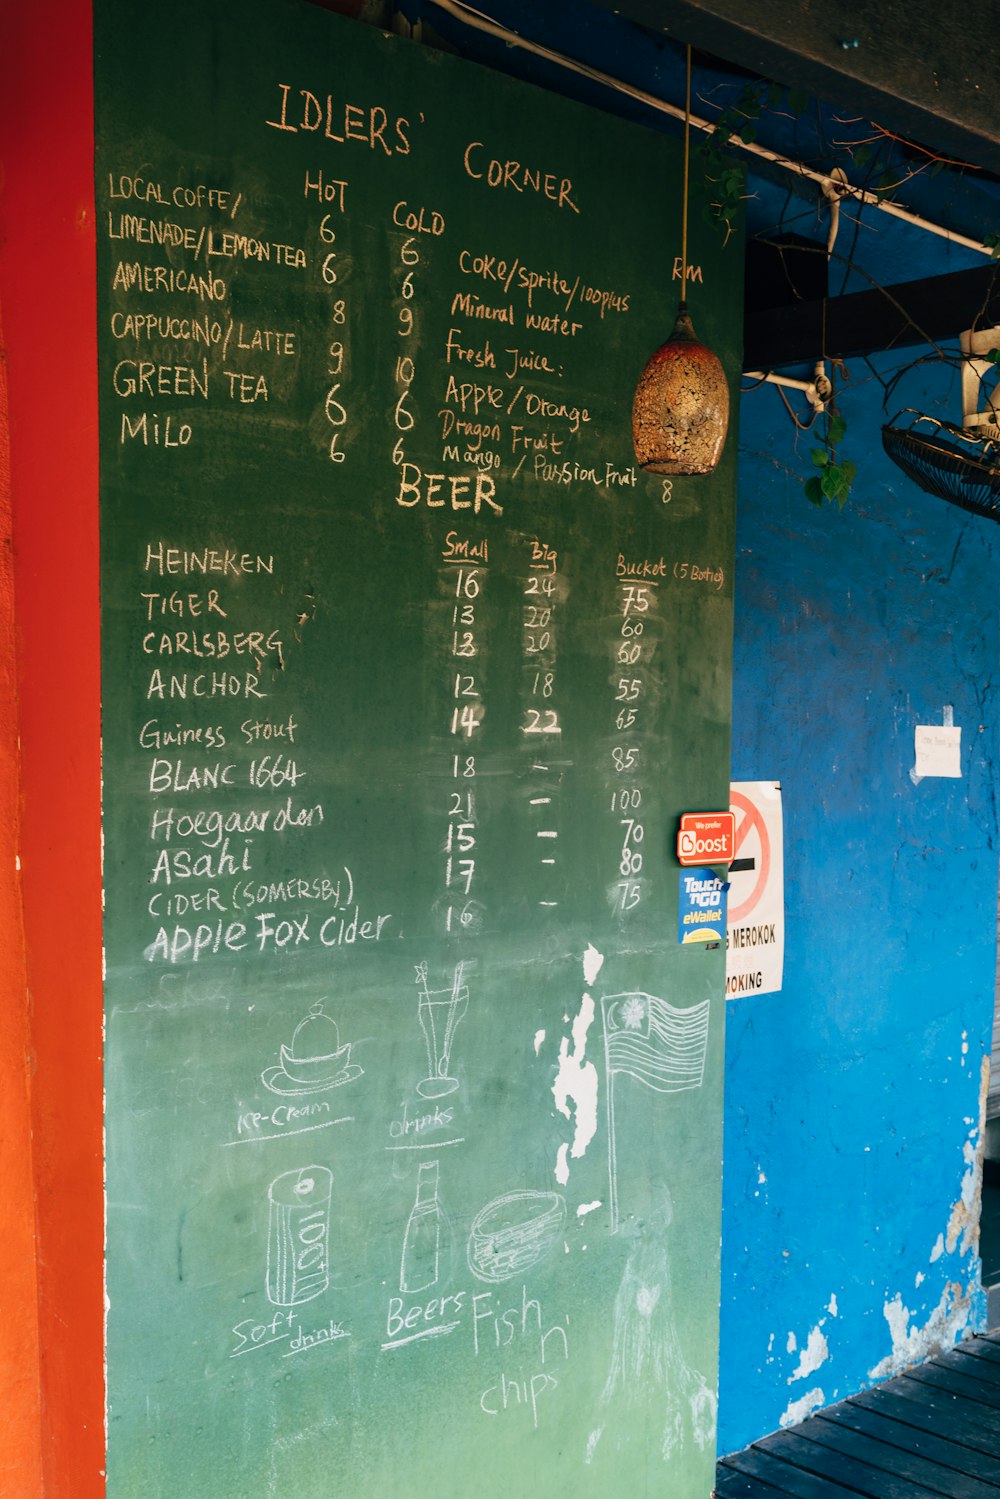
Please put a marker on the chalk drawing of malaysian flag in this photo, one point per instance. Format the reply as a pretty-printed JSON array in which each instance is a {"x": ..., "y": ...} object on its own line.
[
  {"x": 659, "y": 1045},
  {"x": 652, "y": 1040}
]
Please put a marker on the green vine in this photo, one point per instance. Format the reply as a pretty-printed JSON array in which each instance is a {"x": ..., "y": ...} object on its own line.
[
  {"x": 836, "y": 475},
  {"x": 880, "y": 163},
  {"x": 738, "y": 124}
]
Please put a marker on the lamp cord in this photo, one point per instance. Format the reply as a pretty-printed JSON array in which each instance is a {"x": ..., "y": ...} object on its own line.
[{"x": 687, "y": 156}]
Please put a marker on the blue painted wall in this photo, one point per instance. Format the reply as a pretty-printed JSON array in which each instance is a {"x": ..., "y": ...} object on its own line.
[
  {"x": 852, "y": 1157},
  {"x": 853, "y": 1096}
]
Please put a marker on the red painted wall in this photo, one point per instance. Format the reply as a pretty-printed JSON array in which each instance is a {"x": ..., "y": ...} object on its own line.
[
  {"x": 20, "y": 1429},
  {"x": 47, "y": 299},
  {"x": 51, "y": 1179}
]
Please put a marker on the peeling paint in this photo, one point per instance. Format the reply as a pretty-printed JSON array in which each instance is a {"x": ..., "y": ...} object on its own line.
[
  {"x": 587, "y": 1207},
  {"x": 576, "y": 1081},
  {"x": 797, "y": 1410},
  {"x": 815, "y": 1352},
  {"x": 963, "y": 1225},
  {"x": 792, "y": 1343},
  {"x": 911, "y": 1345},
  {"x": 539, "y": 1038},
  {"x": 593, "y": 962},
  {"x": 831, "y": 1305},
  {"x": 953, "y": 1314}
]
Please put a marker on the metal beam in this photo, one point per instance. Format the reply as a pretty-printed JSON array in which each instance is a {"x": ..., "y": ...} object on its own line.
[
  {"x": 893, "y": 317},
  {"x": 922, "y": 68}
]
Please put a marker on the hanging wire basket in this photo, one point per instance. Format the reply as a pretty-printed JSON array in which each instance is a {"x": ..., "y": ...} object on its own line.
[{"x": 958, "y": 466}]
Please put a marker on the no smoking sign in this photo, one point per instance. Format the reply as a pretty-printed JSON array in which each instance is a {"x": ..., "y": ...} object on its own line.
[{"x": 755, "y": 937}]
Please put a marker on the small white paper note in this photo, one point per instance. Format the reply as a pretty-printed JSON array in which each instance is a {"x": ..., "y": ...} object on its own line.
[{"x": 937, "y": 750}]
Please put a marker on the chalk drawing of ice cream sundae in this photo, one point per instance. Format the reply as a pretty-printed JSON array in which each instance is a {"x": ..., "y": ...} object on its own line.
[{"x": 315, "y": 1061}]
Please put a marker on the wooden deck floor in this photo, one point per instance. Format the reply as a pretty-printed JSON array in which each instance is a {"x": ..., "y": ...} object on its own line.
[{"x": 932, "y": 1432}]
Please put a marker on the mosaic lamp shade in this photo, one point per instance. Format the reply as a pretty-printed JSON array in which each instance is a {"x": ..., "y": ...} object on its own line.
[{"x": 680, "y": 410}]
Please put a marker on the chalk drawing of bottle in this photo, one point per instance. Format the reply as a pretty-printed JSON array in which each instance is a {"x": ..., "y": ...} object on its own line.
[
  {"x": 298, "y": 1264},
  {"x": 439, "y": 1012},
  {"x": 420, "y": 1264}
]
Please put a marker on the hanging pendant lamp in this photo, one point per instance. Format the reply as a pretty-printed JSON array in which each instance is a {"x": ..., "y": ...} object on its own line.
[{"x": 680, "y": 410}]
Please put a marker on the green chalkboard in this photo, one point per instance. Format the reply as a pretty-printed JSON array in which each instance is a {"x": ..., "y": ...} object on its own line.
[{"x": 413, "y": 1096}]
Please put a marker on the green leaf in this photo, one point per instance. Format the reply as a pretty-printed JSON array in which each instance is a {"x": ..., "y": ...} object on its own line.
[
  {"x": 820, "y": 457},
  {"x": 862, "y": 156},
  {"x": 836, "y": 428},
  {"x": 850, "y": 473},
  {"x": 830, "y": 482},
  {"x": 813, "y": 490}
]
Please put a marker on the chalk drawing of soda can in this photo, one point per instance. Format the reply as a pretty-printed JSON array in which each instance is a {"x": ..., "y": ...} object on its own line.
[{"x": 298, "y": 1235}]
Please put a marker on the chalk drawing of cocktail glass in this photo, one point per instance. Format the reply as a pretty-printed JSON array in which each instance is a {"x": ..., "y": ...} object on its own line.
[{"x": 439, "y": 1012}]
